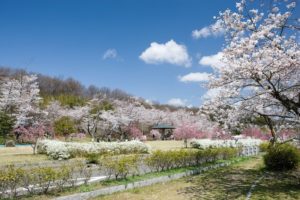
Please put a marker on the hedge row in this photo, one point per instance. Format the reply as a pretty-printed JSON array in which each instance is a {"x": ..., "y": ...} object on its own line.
[
  {"x": 116, "y": 167},
  {"x": 39, "y": 180}
]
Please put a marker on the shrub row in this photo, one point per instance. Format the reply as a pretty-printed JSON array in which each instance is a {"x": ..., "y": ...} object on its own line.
[
  {"x": 64, "y": 150},
  {"x": 121, "y": 166},
  {"x": 165, "y": 160},
  {"x": 38, "y": 180},
  {"x": 116, "y": 167}
]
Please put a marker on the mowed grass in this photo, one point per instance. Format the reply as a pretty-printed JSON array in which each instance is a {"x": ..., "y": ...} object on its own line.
[
  {"x": 11, "y": 155},
  {"x": 24, "y": 154},
  {"x": 227, "y": 183},
  {"x": 165, "y": 145}
]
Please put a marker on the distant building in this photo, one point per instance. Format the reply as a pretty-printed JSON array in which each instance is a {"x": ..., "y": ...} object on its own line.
[{"x": 166, "y": 130}]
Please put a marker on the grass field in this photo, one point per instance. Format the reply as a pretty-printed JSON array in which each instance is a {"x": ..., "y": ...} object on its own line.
[
  {"x": 10, "y": 155},
  {"x": 165, "y": 145},
  {"x": 227, "y": 183}
]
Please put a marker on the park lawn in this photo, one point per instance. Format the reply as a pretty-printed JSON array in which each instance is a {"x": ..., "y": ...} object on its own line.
[
  {"x": 13, "y": 155},
  {"x": 165, "y": 145},
  {"x": 24, "y": 155},
  {"x": 16, "y": 150},
  {"x": 231, "y": 182}
]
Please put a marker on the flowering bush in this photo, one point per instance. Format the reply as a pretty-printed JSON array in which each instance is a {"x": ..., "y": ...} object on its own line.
[
  {"x": 286, "y": 134},
  {"x": 135, "y": 132},
  {"x": 64, "y": 150},
  {"x": 155, "y": 134},
  {"x": 207, "y": 143},
  {"x": 255, "y": 133}
]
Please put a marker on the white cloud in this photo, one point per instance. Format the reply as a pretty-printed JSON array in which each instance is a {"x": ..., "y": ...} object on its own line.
[
  {"x": 211, "y": 93},
  {"x": 213, "y": 60},
  {"x": 195, "y": 77},
  {"x": 170, "y": 52},
  {"x": 203, "y": 32},
  {"x": 215, "y": 29},
  {"x": 177, "y": 102},
  {"x": 110, "y": 54}
]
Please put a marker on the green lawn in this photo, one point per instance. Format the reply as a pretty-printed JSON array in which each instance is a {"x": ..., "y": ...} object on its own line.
[
  {"x": 165, "y": 145},
  {"x": 228, "y": 183}
]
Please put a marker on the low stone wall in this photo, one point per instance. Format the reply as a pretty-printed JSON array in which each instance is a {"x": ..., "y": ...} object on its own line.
[{"x": 138, "y": 184}]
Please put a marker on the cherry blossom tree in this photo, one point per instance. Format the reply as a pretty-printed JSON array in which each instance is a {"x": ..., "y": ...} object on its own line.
[
  {"x": 93, "y": 122},
  {"x": 186, "y": 131},
  {"x": 134, "y": 131},
  {"x": 20, "y": 97},
  {"x": 287, "y": 135},
  {"x": 30, "y": 135},
  {"x": 260, "y": 73},
  {"x": 156, "y": 135},
  {"x": 255, "y": 132}
]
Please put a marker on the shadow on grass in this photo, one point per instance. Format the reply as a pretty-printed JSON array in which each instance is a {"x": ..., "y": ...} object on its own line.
[
  {"x": 279, "y": 185},
  {"x": 222, "y": 184},
  {"x": 235, "y": 183}
]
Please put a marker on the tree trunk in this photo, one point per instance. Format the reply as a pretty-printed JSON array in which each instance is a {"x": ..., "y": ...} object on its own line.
[
  {"x": 185, "y": 142},
  {"x": 271, "y": 127}
]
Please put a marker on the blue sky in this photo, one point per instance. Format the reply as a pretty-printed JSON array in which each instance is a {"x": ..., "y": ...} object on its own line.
[{"x": 67, "y": 38}]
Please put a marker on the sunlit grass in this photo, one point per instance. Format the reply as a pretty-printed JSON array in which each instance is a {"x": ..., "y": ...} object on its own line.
[
  {"x": 225, "y": 183},
  {"x": 165, "y": 145}
]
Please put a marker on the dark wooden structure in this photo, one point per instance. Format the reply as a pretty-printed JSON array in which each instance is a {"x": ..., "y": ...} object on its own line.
[{"x": 166, "y": 130}]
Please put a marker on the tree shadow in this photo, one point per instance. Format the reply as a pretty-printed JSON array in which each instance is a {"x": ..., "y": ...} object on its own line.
[
  {"x": 278, "y": 185},
  {"x": 221, "y": 184},
  {"x": 235, "y": 183}
]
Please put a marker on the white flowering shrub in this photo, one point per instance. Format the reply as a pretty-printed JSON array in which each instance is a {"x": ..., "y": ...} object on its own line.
[
  {"x": 64, "y": 150},
  {"x": 208, "y": 143}
]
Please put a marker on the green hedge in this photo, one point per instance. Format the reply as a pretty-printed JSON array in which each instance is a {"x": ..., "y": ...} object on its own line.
[
  {"x": 117, "y": 167},
  {"x": 282, "y": 157},
  {"x": 164, "y": 160}
]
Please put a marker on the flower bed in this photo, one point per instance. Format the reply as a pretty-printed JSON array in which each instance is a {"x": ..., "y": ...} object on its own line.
[
  {"x": 64, "y": 150},
  {"x": 207, "y": 143}
]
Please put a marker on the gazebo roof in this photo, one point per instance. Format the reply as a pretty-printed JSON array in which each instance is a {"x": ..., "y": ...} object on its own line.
[{"x": 163, "y": 126}]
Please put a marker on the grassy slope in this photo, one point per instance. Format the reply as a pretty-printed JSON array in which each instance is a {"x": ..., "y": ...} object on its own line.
[{"x": 227, "y": 183}]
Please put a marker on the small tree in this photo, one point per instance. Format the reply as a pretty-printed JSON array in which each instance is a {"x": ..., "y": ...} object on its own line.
[
  {"x": 134, "y": 131},
  {"x": 64, "y": 126},
  {"x": 30, "y": 135},
  {"x": 186, "y": 131},
  {"x": 6, "y": 124}
]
